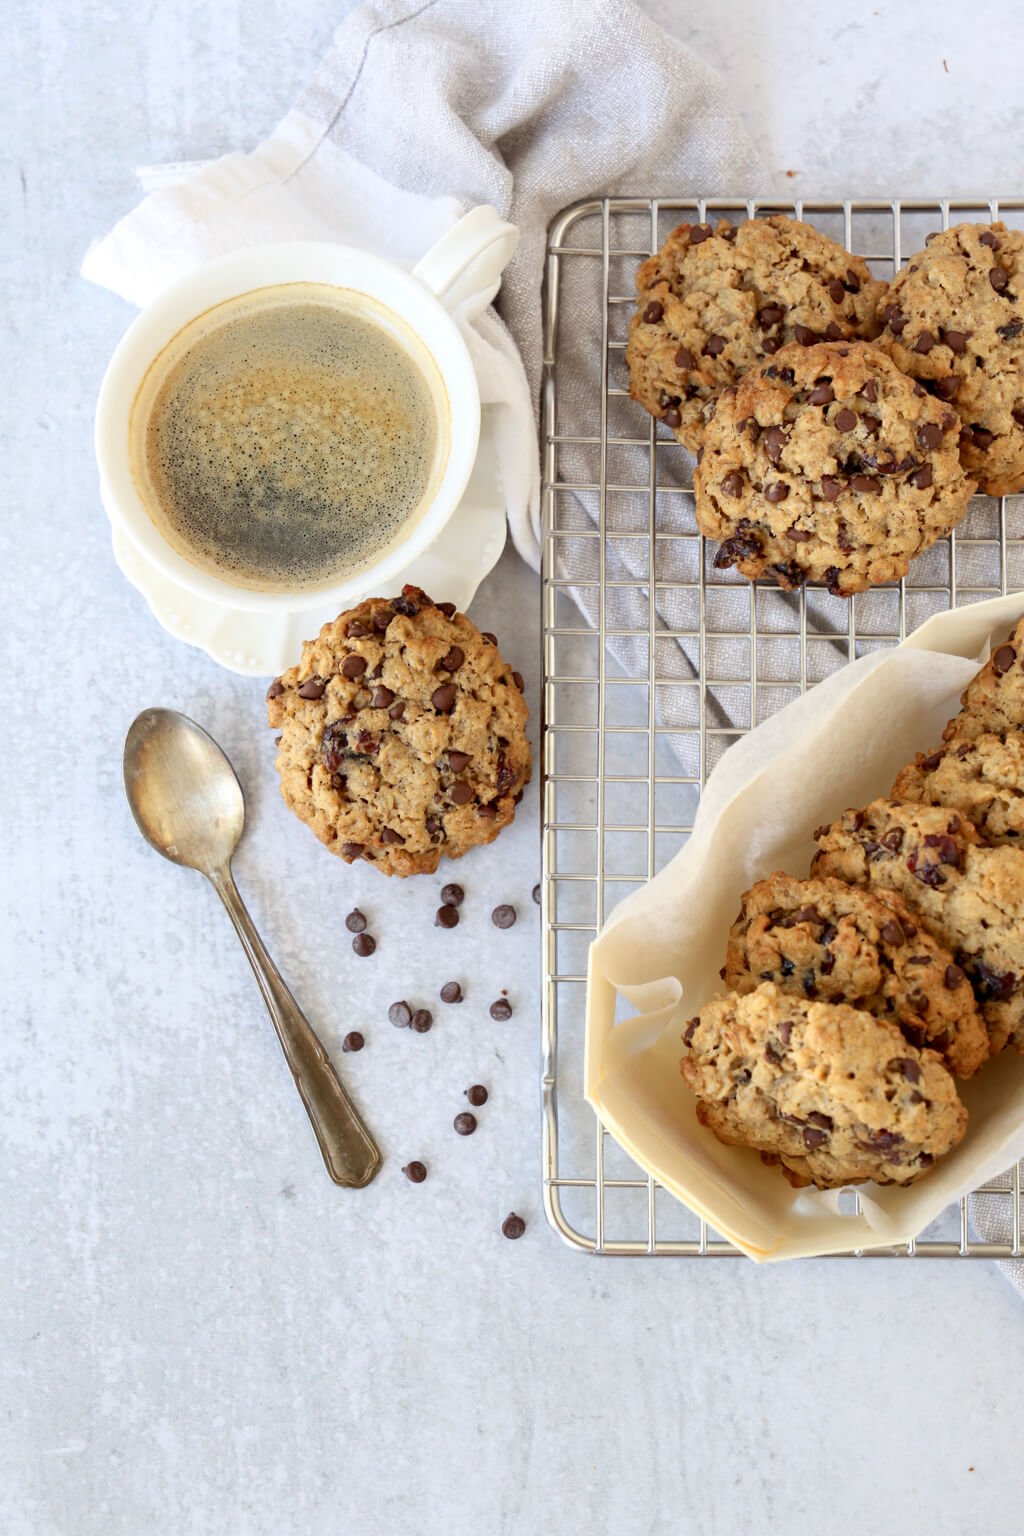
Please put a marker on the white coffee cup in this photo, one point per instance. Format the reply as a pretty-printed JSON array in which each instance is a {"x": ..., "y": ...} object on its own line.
[{"x": 468, "y": 259}]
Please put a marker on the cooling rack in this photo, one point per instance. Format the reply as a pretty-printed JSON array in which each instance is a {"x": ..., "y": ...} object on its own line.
[{"x": 655, "y": 662}]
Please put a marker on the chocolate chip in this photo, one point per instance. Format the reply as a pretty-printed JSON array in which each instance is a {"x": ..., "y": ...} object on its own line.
[
  {"x": 389, "y": 835},
  {"x": 777, "y": 491},
  {"x": 673, "y": 417},
  {"x": 989, "y": 239},
  {"x": 422, "y": 1020},
  {"x": 998, "y": 278},
  {"x": 732, "y": 485},
  {"x": 452, "y": 895},
  {"x": 699, "y": 233},
  {"x": 415, "y": 1172},
  {"x": 461, "y": 793},
  {"x": 364, "y": 944},
  {"x": 465, "y": 1123},
  {"x": 834, "y": 332},
  {"x": 929, "y": 764},
  {"x": 355, "y": 629},
  {"x": 769, "y": 315},
  {"x": 452, "y": 661},
  {"x": 443, "y": 698},
  {"x": 491, "y": 639},
  {"x": 870, "y": 391},
  {"x": 892, "y": 933},
  {"x": 821, "y": 394},
  {"x": 356, "y": 921},
  {"x": 797, "y": 535},
  {"x": 836, "y": 291},
  {"x": 921, "y": 479},
  {"x": 831, "y": 487},
  {"x": 353, "y": 1041},
  {"x": 501, "y": 1009},
  {"x": 685, "y": 359},
  {"x": 1018, "y": 415},
  {"x": 488, "y": 812},
  {"x": 446, "y": 917},
  {"x": 929, "y": 435},
  {"x": 924, "y": 342},
  {"x": 990, "y": 985},
  {"x": 771, "y": 344},
  {"x": 714, "y": 346},
  {"x": 513, "y": 1226},
  {"x": 774, "y": 442},
  {"x": 1011, "y": 329},
  {"x": 353, "y": 666},
  {"x": 517, "y": 678},
  {"x": 397, "y": 710},
  {"x": 407, "y": 604},
  {"x": 276, "y": 689},
  {"x": 535, "y": 893},
  {"x": 312, "y": 688},
  {"x": 805, "y": 336},
  {"x": 894, "y": 318},
  {"x": 352, "y": 850},
  {"x": 381, "y": 619},
  {"x": 654, "y": 312},
  {"x": 865, "y": 484},
  {"x": 503, "y": 916},
  {"x": 400, "y": 1015},
  {"x": 947, "y": 388},
  {"x": 1003, "y": 659},
  {"x": 956, "y": 341},
  {"x": 845, "y": 420},
  {"x": 953, "y": 977},
  {"x": 814, "y": 1139},
  {"x": 382, "y": 698},
  {"x": 451, "y": 992}
]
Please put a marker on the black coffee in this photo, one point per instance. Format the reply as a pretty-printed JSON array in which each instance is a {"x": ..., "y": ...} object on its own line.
[{"x": 286, "y": 437}]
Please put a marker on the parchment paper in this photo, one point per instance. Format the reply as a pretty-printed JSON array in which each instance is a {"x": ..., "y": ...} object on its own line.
[{"x": 659, "y": 954}]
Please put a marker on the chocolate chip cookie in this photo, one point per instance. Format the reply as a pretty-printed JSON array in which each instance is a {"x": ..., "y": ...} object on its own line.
[
  {"x": 981, "y": 777},
  {"x": 403, "y": 735},
  {"x": 994, "y": 699},
  {"x": 715, "y": 302},
  {"x": 954, "y": 318},
  {"x": 837, "y": 943},
  {"x": 827, "y": 464},
  {"x": 969, "y": 897},
  {"x": 832, "y": 1093}
]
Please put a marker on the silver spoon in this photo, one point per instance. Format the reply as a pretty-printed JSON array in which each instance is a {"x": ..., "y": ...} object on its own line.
[{"x": 187, "y": 803}]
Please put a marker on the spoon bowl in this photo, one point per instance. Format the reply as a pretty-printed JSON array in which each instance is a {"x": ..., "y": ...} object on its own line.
[{"x": 183, "y": 792}]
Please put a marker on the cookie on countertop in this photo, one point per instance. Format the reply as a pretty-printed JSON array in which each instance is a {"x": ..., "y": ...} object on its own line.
[
  {"x": 993, "y": 700},
  {"x": 954, "y": 318},
  {"x": 827, "y": 464},
  {"x": 715, "y": 302},
  {"x": 403, "y": 735},
  {"x": 834, "y": 1094},
  {"x": 838, "y": 943},
  {"x": 982, "y": 777},
  {"x": 968, "y": 896}
]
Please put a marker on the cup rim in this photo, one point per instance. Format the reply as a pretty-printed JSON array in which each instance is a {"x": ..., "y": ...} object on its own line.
[{"x": 230, "y": 276}]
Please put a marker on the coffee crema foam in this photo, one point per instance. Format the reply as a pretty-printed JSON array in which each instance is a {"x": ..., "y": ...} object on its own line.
[{"x": 288, "y": 436}]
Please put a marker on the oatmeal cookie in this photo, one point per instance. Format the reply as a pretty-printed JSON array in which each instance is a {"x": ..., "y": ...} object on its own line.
[
  {"x": 714, "y": 302},
  {"x": 403, "y": 735},
  {"x": 827, "y": 464},
  {"x": 982, "y": 777},
  {"x": 969, "y": 897},
  {"x": 993, "y": 701},
  {"x": 954, "y": 318},
  {"x": 837, "y": 943},
  {"x": 834, "y": 1094}
]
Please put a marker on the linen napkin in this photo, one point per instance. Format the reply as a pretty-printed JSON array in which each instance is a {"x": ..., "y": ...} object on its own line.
[{"x": 423, "y": 108}]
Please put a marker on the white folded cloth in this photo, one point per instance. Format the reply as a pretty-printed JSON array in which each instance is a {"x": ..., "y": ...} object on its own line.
[{"x": 423, "y": 108}]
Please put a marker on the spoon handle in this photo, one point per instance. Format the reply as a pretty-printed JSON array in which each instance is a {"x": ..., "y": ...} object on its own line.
[{"x": 351, "y": 1154}]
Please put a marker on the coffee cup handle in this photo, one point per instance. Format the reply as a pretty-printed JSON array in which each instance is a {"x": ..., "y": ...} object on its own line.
[{"x": 468, "y": 261}]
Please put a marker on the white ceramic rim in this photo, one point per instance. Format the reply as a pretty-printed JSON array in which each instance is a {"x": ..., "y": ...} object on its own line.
[{"x": 240, "y": 272}]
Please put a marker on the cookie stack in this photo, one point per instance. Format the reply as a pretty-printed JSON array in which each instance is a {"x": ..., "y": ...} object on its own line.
[
  {"x": 858, "y": 995},
  {"x": 840, "y": 424}
]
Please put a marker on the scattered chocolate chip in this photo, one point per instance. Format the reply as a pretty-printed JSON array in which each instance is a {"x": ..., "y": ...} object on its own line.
[
  {"x": 465, "y": 1123},
  {"x": 501, "y": 1009},
  {"x": 452, "y": 895},
  {"x": 400, "y": 1015},
  {"x": 352, "y": 850},
  {"x": 685, "y": 359},
  {"x": 276, "y": 689},
  {"x": 422, "y": 1020},
  {"x": 415, "y": 1172},
  {"x": 353, "y": 667},
  {"x": 654, "y": 312},
  {"x": 777, "y": 491},
  {"x": 451, "y": 992},
  {"x": 503, "y": 916},
  {"x": 312, "y": 688},
  {"x": 831, "y": 487},
  {"x": 1003, "y": 659},
  {"x": 921, "y": 479},
  {"x": 513, "y": 1226},
  {"x": 364, "y": 944},
  {"x": 714, "y": 346},
  {"x": 477, "y": 1095},
  {"x": 821, "y": 394},
  {"x": 998, "y": 278},
  {"x": 924, "y": 342},
  {"x": 845, "y": 420},
  {"x": 446, "y": 917},
  {"x": 443, "y": 698},
  {"x": 353, "y": 1041},
  {"x": 356, "y": 921}
]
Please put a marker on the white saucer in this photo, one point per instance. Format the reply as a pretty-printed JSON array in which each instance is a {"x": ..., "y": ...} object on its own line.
[{"x": 261, "y": 645}]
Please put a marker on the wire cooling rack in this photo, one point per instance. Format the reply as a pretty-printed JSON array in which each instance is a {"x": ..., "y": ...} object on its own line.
[{"x": 655, "y": 662}]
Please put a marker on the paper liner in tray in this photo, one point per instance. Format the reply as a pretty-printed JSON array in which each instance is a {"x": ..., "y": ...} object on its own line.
[{"x": 839, "y": 745}]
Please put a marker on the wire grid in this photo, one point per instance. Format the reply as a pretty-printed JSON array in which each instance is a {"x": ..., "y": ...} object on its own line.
[{"x": 637, "y": 713}]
